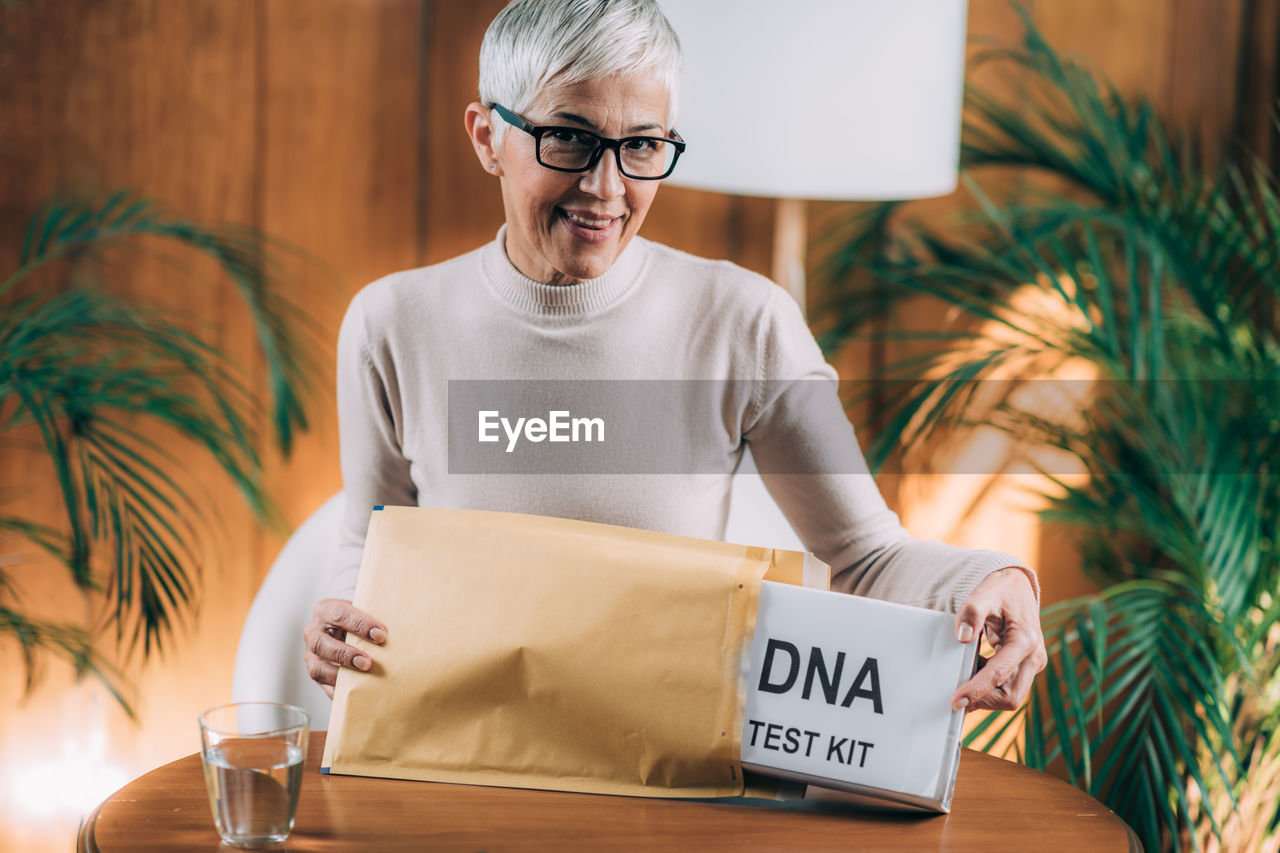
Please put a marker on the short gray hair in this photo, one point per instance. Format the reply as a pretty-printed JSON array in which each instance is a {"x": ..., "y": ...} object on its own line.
[{"x": 532, "y": 44}]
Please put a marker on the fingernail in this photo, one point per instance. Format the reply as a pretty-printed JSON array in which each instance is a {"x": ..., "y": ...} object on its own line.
[
  {"x": 959, "y": 704},
  {"x": 378, "y": 635},
  {"x": 362, "y": 663},
  {"x": 965, "y": 634}
]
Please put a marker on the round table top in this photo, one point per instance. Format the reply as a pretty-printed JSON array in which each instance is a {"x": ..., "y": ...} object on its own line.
[{"x": 997, "y": 805}]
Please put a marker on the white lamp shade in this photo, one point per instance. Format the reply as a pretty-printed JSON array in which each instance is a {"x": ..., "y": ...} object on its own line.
[{"x": 820, "y": 99}]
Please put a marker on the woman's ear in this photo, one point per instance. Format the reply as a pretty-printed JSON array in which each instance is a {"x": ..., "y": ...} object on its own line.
[{"x": 480, "y": 129}]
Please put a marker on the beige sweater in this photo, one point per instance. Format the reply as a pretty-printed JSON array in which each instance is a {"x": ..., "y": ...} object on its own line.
[{"x": 657, "y": 314}]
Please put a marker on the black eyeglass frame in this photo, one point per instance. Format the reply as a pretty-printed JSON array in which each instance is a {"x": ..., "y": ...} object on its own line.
[{"x": 537, "y": 131}]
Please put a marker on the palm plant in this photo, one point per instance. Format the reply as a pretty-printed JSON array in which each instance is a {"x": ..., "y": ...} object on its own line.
[
  {"x": 1159, "y": 274},
  {"x": 90, "y": 380}
]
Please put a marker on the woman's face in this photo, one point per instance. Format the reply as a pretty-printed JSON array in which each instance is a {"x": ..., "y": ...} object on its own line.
[{"x": 565, "y": 227}]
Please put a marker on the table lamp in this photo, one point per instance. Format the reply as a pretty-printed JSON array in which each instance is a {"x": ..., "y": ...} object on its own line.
[{"x": 853, "y": 100}]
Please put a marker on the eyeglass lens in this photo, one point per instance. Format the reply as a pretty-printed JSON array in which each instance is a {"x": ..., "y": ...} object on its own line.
[{"x": 639, "y": 157}]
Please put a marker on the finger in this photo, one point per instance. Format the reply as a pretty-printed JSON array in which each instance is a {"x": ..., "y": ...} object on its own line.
[
  {"x": 978, "y": 610},
  {"x": 322, "y": 672},
  {"x": 1019, "y": 687},
  {"x": 1011, "y": 694},
  {"x": 326, "y": 648},
  {"x": 972, "y": 617},
  {"x": 997, "y": 672},
  {"x": 1040, "y": 657},
  {"x": 1003, "y": 597},
  {"x": 336, "y": 613},
  {"x": 328, "y": 691},
  {"x": 1024, "y": 651},
  {"x": 353, "y": 621}
]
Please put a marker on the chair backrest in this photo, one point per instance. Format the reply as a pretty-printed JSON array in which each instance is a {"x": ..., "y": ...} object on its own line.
[{"x": 269, "y": 663}]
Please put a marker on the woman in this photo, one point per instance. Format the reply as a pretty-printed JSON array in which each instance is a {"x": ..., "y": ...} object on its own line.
[{"x": 575, "y": 120}]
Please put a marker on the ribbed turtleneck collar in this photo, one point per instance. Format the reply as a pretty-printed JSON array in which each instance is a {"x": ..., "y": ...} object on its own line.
[{"x": 560, "y": 300}]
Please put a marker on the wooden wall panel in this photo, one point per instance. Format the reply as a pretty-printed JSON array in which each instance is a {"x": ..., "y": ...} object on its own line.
[
  {"x": 339, "y": 135},
  {"x": 157, "y": 97},
  {"x": 1258, "y": 83},
  {"x": 463, "y": 205},
  {"x": 1131, "y": 43},
  {"x": 691, "y": 220},
  {"x": 148, "y": 93},
  {"x": 1204, "y": 61},
  {"x": 301, "y": 118}
]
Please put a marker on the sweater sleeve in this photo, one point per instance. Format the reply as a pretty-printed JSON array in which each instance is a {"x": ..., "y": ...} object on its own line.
[
  {"x": 370, "y": 428},
  {"x": 808, "y": 456}
]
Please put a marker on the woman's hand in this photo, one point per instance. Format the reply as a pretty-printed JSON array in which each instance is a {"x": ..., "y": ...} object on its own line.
[
  {"x": 331, "y": 620},
  {"x": 1004, "y": 605}
]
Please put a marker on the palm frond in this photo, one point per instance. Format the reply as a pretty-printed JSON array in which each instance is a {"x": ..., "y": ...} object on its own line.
[
  {"x": 1132, "y": 691},
  {"x": 65, "y": 228},
  {"x": 99, "y": 379},
  {"x": 72, "y": 644},
  {"x": 1157, "y": 270}
]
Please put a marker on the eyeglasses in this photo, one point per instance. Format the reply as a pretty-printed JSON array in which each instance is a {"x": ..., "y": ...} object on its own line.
[{"x": 571, "y": 149}]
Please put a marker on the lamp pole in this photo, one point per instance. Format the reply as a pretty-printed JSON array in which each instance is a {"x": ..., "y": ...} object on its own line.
[{"x": 790, "y": 238}]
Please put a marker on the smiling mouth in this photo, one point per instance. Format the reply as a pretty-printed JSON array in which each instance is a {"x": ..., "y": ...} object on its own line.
[{"x": 587, "y": 222}]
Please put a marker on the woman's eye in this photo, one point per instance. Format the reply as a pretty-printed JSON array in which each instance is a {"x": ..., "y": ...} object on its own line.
[
  {"x": 569, "y": 137},
  {"x": 638, "y": 143}
]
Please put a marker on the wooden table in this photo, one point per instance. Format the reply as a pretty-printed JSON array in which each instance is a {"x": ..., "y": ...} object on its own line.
[{"x": 998, "y": 806}]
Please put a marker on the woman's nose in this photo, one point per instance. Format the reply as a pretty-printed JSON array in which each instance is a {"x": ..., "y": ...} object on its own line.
[{"x": 604, "y": 179}]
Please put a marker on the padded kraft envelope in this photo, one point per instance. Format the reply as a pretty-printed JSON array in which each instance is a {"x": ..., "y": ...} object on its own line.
[{"x": 526, "y": 651}]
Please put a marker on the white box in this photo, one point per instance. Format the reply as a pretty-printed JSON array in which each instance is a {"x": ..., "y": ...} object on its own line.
[{"x": 855, "y": 694}]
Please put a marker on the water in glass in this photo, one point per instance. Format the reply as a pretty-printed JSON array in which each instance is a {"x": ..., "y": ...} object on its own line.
[{"x": 253, "y": 789}]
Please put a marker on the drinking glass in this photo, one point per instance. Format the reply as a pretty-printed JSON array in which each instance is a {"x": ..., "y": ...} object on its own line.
[{"x": 253, "y": 754}]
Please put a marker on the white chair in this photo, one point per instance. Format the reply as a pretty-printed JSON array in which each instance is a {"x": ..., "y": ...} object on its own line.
[{"x": 269, "y": 664}]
